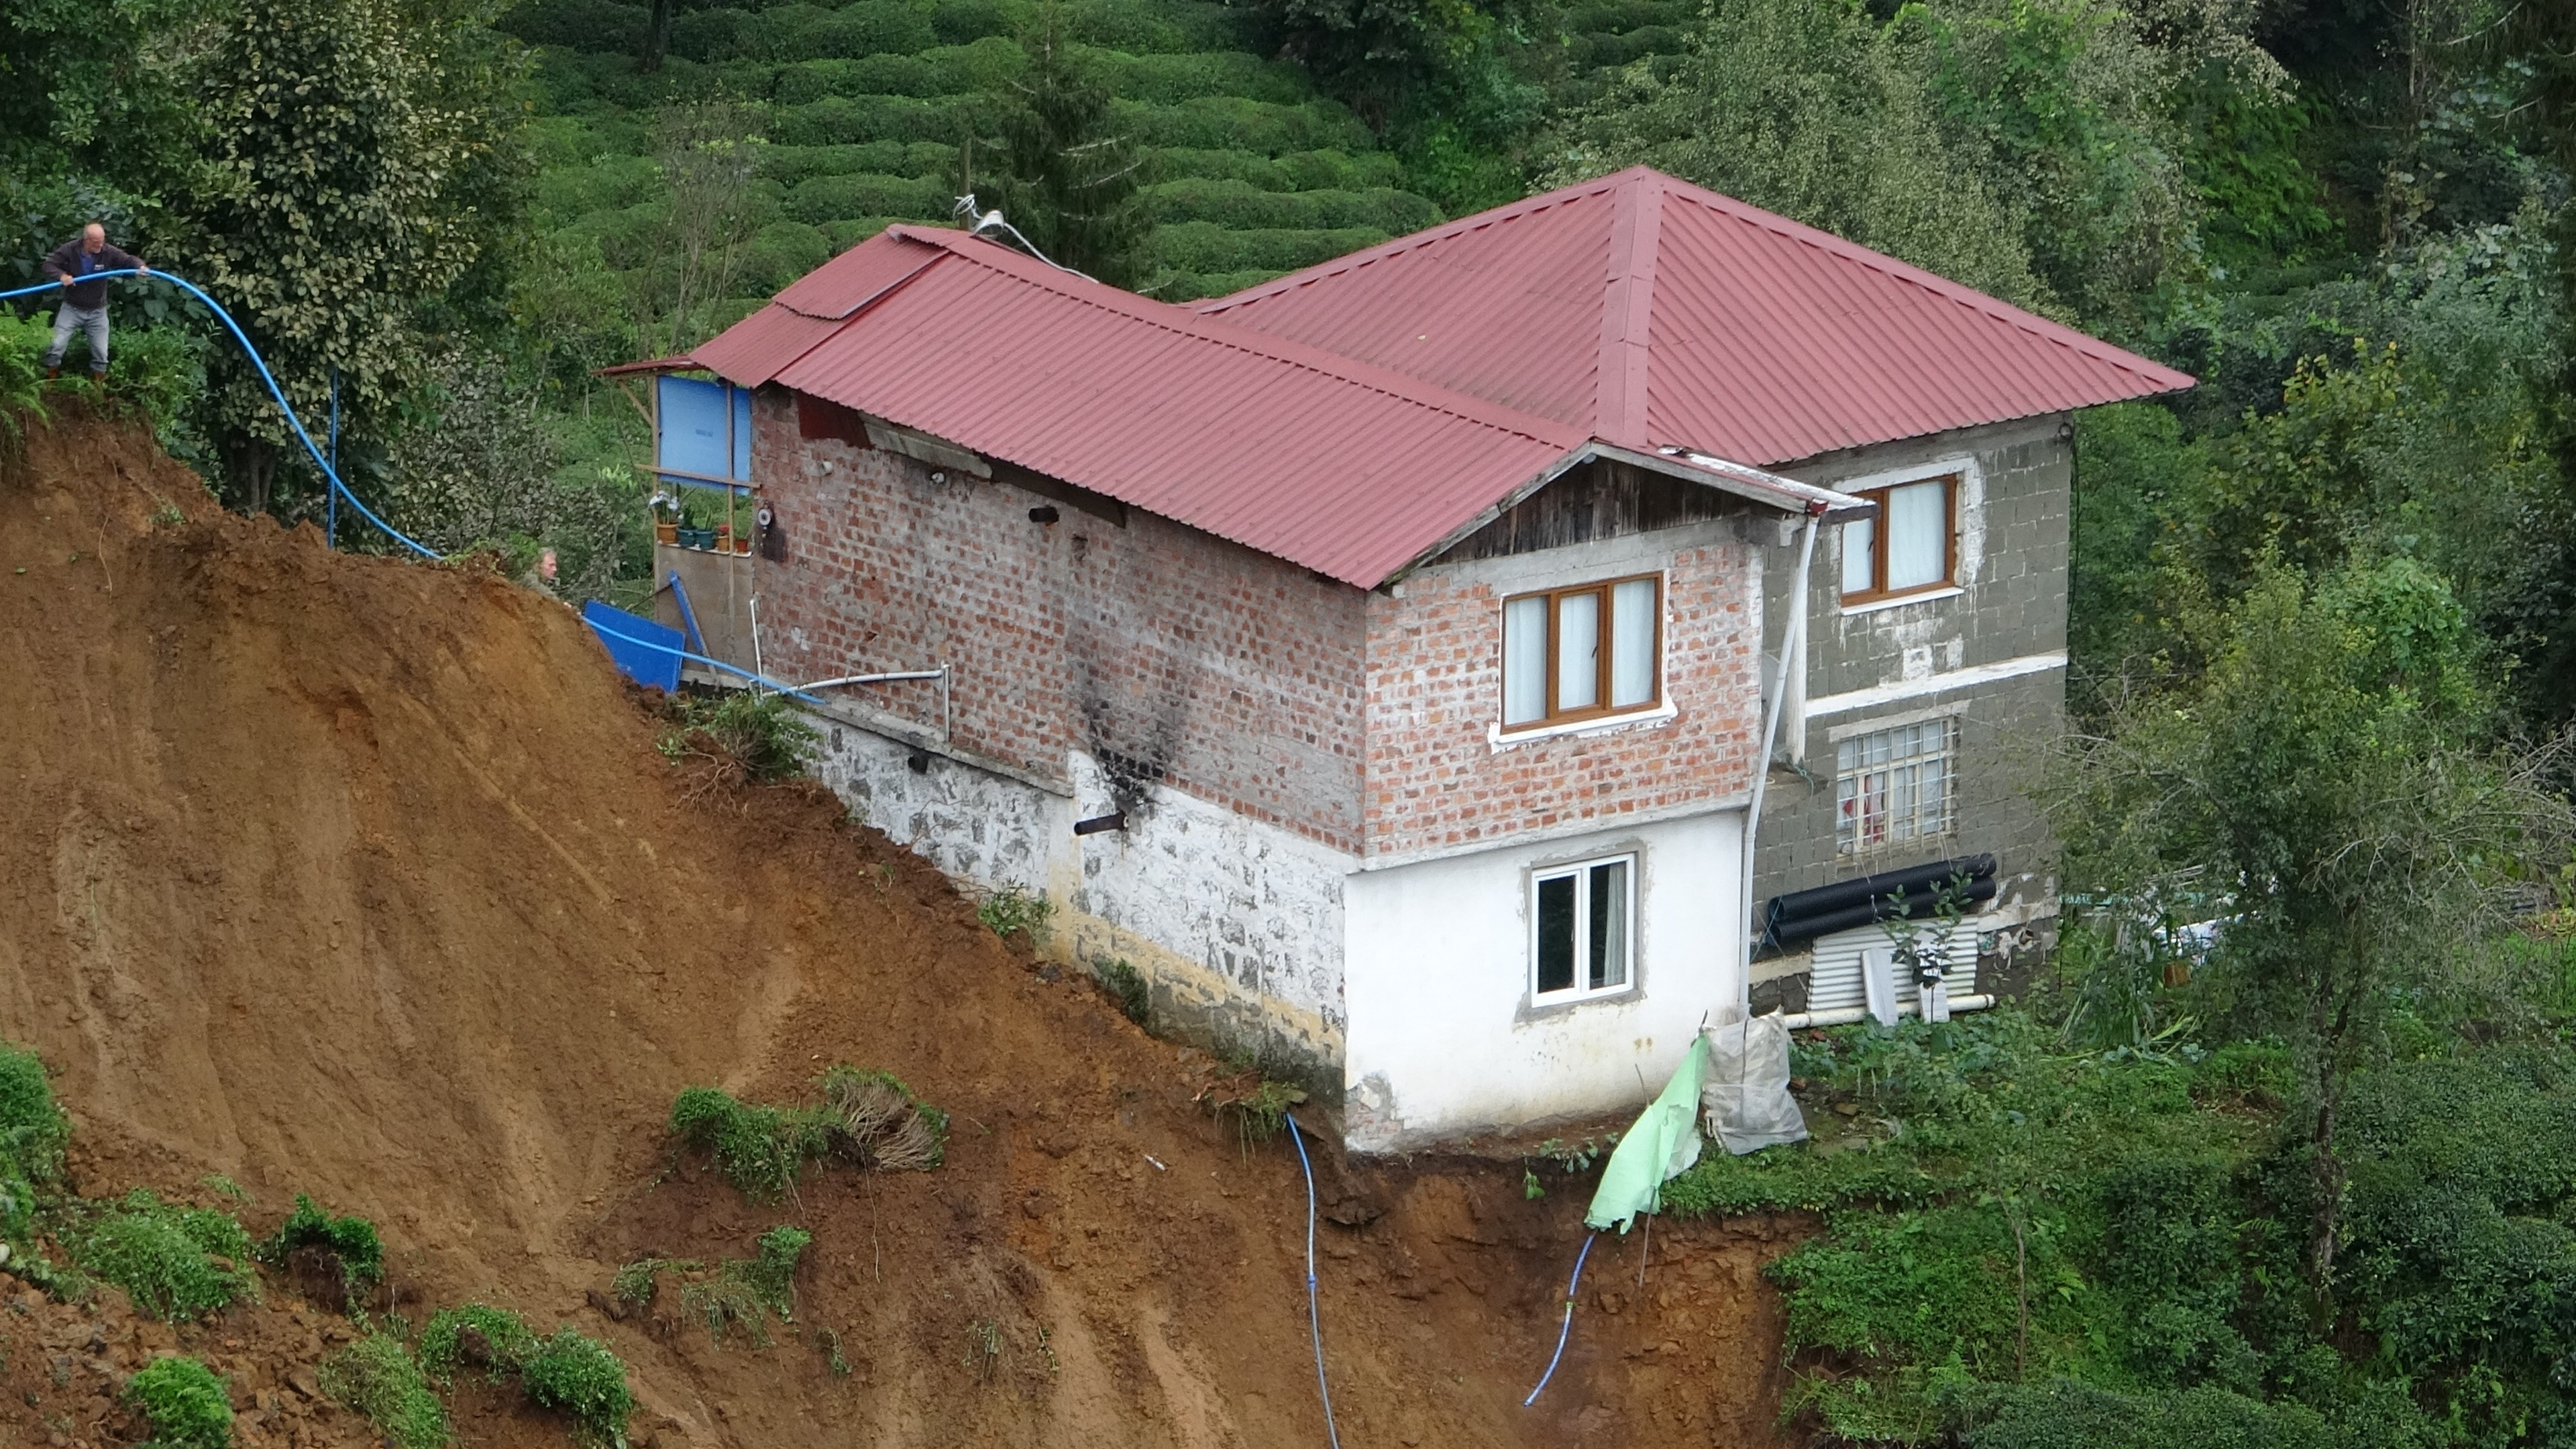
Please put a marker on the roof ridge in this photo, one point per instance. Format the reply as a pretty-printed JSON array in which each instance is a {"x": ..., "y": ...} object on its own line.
[
  {"x": 1956, "y": 293},
  {"x": 1398, "y": 246},
  {"x": 1622, "y": 373},
  {"x": 1387, "y": 381}
]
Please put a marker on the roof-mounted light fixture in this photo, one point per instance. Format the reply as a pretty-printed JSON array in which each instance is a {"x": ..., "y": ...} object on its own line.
[{"x": 992, "y": 224}]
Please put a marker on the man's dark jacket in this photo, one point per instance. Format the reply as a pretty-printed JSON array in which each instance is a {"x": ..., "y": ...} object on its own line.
[{"x": 68, "y": 260}]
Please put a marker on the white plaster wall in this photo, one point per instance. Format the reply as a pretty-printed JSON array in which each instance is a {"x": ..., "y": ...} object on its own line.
[{"x": 1443, "y": 1040}]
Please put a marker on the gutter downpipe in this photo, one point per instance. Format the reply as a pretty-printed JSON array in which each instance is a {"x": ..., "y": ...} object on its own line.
[{"x": 1791, "y": 640}]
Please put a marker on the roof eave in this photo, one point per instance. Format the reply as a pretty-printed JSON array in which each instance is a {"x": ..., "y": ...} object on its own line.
[{"x": 1787, "y": 495}]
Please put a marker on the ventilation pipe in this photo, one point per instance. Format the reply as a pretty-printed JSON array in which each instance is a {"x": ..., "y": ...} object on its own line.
[{"x": 1792, "y": 650}]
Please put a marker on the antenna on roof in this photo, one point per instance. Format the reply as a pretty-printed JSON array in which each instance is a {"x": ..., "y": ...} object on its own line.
[{"x": 983, "y": 223}]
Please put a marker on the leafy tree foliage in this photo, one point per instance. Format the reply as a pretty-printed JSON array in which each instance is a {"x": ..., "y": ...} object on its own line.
[{"x": 346, "y": 177}]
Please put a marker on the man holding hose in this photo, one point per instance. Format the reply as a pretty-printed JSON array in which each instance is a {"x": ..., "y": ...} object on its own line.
[{"x": 84, "y": 302}]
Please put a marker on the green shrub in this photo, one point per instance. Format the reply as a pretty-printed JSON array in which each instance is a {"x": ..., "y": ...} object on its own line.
[
  {"x": 184, "y": 1402},
  {"x": 33, "y": 1131},
  {"x": 580, "y": 1377},
  {"x": 22, "y": 373},
  {"x": 476, "y": 1335},
  {"x": 175, "y": 1262},
  {"x": 833, "y": 198},
  {"x": 762, "y": 735},
  {"x": 759, "y": 1149},
  {"x": 1015, "y": 910},
  {"x": 351, "y": 1242},
  {"x": 1204, "y": 246},
  {"x": 377, "y": 1377},
  {"x": 636, "y": 1282}
]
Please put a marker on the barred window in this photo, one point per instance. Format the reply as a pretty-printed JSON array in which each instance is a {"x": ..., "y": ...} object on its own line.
[{"x": 1895, "y": 787}]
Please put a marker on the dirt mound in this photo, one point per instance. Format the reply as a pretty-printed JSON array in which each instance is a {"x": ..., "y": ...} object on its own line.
[{"x": 360, "y": 878}]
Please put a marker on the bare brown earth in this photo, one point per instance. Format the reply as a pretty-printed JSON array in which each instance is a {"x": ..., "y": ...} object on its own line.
[{"x": 361, "y": 878}]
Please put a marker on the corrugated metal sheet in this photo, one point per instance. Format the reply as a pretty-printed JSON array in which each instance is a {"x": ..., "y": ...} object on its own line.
[
  {"x": 857, "y": 277},
  {"x": 760, "y": 346},
  {"x": 1834, "y": 982},
  {"x": 1744, "y": 334},
  {"x": 1344, "y": 468}
]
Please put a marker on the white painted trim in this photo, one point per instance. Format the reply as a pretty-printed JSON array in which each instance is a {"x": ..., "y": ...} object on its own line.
[
  {"x": 1497, "y": 741},
  {"x": 1900, "y": 601},
  {"x": 1973, "y": 675},
  {"x": 1563, "y": 830},
  {"x": 1840, "y": 733}
]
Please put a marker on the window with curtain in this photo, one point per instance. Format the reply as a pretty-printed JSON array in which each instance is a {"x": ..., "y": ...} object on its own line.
[
  {"x": 1583, "y": 928},
  {"x": 1582, "y": 653},
  {"x": 1912, "y": 547}
]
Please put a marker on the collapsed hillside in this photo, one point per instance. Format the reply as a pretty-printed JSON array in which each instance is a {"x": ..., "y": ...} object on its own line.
[{"x": 351, "y": 877}]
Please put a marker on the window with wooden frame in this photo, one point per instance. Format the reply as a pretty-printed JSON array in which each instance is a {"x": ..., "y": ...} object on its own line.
[
  {"x": 1583, "y": 653},
  {"x": 1911, "y": 547}
]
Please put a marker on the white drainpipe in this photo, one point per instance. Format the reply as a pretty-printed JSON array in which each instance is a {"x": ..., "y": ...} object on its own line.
[{"x": 1790, "y": 653}]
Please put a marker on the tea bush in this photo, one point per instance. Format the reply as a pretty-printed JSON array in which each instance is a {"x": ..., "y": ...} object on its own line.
[
  {"x": 459, "y": 1337},
  {"x": 579, "y": 1377},
  {"x": 377, "y": 1377},
  {"x": 759, "y": 1149},
  {"x": 175, "y": 1262},
  {"x": 351, "y": 1242}
]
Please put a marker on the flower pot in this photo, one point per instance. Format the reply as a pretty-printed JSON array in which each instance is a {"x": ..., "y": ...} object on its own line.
[
  {"x": 666, "y": 532},
  {"x": 742, "y": 543},
  {"x": 2177, "y": 973}
]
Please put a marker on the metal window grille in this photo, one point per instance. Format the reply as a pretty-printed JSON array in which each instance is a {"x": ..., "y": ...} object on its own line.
[{"x": 1896, "y": 786}]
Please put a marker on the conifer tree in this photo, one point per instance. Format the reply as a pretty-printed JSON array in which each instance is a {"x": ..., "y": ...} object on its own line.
[{"x": 1071, "y": 176}]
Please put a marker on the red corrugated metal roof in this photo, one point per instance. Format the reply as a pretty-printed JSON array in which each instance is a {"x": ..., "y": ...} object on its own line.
[
  {"x": 1645, "y": 312},
  {"x": 1336, "y": 465}
]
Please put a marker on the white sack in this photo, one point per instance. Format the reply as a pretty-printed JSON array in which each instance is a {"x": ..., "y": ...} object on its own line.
[{"x": 1744, "y": 1091}]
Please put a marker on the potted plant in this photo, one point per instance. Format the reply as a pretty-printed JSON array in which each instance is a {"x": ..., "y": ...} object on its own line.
[
  {"x": 666, "y": 518},
  {"x": 724, "y": 538}
]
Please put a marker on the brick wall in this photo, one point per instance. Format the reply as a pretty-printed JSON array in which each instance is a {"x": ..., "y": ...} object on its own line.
[
  {"x": 1434, "y": 779},
  {"x": 1237, "y": 675}
]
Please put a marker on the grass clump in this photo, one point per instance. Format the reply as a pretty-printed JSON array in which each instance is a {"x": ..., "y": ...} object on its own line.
[
  {"x": 580, "y": 1378},
  {"x": 743, "y": 1292},
  {"x": 351, "y": 1244},
  {"x": 759, "y": 1149},
  {"x": 177, "y": 1263},
  {"x": 1015, "y": 910},
  {"x": 1126, "y": 986},
  {"x": 569, "y": 1374},
  {"x": 476, "y": 1336},
  {"x": 1255, "y": 1107},
  {"x": 377, "y": 1377},
  {"x": 882, "y": 1123},
  {"x": 184, "y": 1402},
  {"x": 637, "y": 1282}
]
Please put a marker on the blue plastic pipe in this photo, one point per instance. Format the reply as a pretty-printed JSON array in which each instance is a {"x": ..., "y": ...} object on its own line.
[
  {"x": 338, "y": 488},
  {"x": 1314, "y": 1316},
  {"x": 1565, "y": 1329},
  {"x": 688, "y": 616}
]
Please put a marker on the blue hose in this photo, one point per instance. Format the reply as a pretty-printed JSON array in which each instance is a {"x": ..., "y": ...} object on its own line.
[
  {"x": 338, "y": 488},
  {"x": 1567, "y": 1328},
  {"x": 1314, "y": 1317}
]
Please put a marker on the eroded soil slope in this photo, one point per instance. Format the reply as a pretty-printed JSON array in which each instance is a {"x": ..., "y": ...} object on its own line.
[{"x": 361, "y": 878}]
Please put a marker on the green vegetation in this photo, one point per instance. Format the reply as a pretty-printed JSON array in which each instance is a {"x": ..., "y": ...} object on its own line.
[
  {"x": 475, "y": 1336},
  {"x": 1015, "y": 910},
  {"x": 869, "y": 1118},
  {"x": 32, "y": 1133},
  {"x": 1257, "y": 1109},
  {"x": 377, "y": 1377},
  {"x": 1127, "y": 986},
  {"x": 568, "y": 1374},
  {"x": 758, "y": 737},
  {"x": 175, "y": 1262},
  {"x": 351, "y": 1243},
  {"x": 742, "y": 1294},
  {"x": 184, "y": 1402}
]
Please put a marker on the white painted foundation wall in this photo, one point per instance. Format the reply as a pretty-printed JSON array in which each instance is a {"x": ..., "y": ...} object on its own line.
[{"x": 1443, "y": 1041}]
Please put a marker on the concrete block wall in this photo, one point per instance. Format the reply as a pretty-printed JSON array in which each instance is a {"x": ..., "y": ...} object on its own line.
[
  {"x": 2012, "y": 606},
  {"x": 1436, "y": 781},
  {"x": 1166, "y": 653}
]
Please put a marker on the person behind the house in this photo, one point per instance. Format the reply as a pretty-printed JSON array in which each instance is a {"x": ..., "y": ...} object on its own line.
[{"x": 84, "y": 301}]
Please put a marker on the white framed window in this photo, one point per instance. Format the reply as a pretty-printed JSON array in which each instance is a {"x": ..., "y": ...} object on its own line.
[
  {"x": 1912, "y": 547},
  {"x": 1583, "y": 653},
  {"x": 1896, "y": 786},
  {"x": 1583, "y": 929}
]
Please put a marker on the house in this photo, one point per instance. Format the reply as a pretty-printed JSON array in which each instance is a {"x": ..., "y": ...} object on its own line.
[{"x": 1379, "y": 660}]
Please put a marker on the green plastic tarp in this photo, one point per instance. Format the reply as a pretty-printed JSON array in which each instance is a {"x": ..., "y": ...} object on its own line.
[{"x": 1663, "y": 1145}]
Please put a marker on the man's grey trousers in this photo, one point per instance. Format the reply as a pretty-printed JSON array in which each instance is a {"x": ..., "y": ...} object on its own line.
[{"x": 92, "y": 320}]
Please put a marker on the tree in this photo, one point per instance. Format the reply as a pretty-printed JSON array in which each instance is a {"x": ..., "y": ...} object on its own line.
[
  {"x": 1810, "y": 109},
  {"x": 1071, "y": 176},
  {"x": 708, "y": 153},
  {"x": 338, "y": 203},
  {"x": 2320, "y": 785}
]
